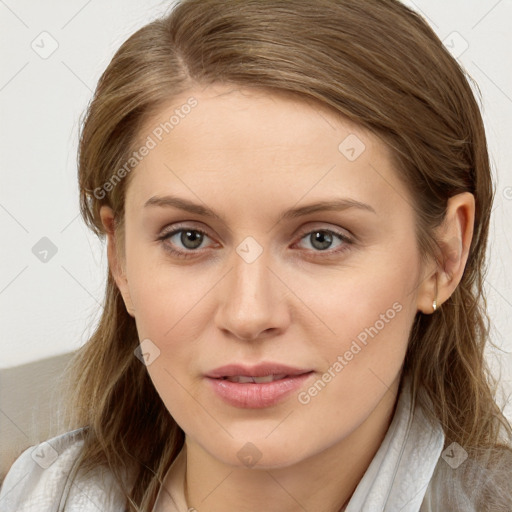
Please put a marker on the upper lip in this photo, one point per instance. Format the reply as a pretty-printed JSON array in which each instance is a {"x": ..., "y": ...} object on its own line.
[{"x": 259, "y": 370}]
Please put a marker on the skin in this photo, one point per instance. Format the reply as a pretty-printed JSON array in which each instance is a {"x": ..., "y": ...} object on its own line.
[{"x": 249, "y": 156}]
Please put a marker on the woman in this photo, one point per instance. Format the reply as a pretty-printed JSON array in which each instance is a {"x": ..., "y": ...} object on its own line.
[{"x": 296, "y": 199}]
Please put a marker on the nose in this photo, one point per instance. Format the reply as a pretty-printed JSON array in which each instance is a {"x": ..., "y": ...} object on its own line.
[{"x": 252, "y": 300}]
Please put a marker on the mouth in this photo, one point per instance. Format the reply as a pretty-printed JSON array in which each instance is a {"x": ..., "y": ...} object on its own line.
[{"x": 258, "y": 386}]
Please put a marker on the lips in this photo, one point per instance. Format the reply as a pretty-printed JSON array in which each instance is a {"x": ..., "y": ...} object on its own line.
[{"x": 256, "y": 387}]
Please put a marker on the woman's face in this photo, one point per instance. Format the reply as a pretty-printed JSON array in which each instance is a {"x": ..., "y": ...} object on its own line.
[{"x": 268, "y": 279}]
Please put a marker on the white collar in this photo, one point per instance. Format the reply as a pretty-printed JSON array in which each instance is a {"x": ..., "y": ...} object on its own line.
[{"x": 400, "y": 472}]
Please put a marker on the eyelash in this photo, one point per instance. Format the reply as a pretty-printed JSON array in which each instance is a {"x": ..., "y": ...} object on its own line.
[{"x": 193, "y": 253}]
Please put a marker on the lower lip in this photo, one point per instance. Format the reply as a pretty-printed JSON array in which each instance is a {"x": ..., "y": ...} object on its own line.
[{"x": 257, "y": 396}]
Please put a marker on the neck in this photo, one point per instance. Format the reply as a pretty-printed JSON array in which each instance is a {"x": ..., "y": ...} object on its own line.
[{"x": 324, "y": 482}]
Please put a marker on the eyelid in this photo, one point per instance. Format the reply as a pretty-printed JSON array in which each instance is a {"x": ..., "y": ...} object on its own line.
[
  {"x": 167, "y": 230},
  {"x": 344, "y": 233}
]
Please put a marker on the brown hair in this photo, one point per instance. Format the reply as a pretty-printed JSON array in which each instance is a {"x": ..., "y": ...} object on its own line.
[{"x": 376, "y": 63}]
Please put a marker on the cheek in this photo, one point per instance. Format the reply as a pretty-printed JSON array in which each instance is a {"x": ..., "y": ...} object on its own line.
[
  {"x": 165, "y": 296},
  {"x": 172, "y": 312},
  {"x": 371, "y": 316},
  {"x": 362, "y": 362},
  {"x": 374, "y": 300}
]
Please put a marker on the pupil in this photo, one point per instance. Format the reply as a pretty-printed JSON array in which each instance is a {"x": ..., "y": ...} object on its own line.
[
  {"x": 191, "y": 236},
  {"x": 324, "y": 238}
]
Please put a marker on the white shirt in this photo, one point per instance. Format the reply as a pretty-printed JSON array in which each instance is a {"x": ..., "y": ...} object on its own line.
[{"x": 397, "y": 479}]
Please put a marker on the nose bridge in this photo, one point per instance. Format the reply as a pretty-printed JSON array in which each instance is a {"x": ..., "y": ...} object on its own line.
[
  {"x": 251, "y": 301},
  {"x": 250, "y": 273}
]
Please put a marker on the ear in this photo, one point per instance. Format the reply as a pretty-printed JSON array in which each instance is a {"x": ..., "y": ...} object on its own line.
[
  {"x": 115, "y": 259},
  {"x": 454, "y": 239}
]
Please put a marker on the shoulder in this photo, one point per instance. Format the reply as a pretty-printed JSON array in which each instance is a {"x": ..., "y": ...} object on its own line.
[
  {"x": 40, "y": 480},
  {"x": 472, "y": 484}
]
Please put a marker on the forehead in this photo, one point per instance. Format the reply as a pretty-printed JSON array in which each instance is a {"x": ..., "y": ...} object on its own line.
[
  {"x": 221, "y": 139},
  {"x": 224, "y": 117}
]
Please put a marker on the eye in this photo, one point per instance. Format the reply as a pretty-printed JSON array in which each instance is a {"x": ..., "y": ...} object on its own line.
[
  {"x": 185, "y": 242},
  {"x": 188, "y": 238},
  {"x": 321, "y": 240}
]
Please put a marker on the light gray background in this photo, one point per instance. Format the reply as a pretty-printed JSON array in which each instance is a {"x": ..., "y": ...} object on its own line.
[{"x": 49, "y": 308}]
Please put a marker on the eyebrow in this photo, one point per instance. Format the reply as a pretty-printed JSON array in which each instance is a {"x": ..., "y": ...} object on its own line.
[{"x": 335, "y": 204}]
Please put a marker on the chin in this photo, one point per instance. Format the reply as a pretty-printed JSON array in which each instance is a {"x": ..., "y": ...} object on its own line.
[{"x": 263, "y": 453}]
